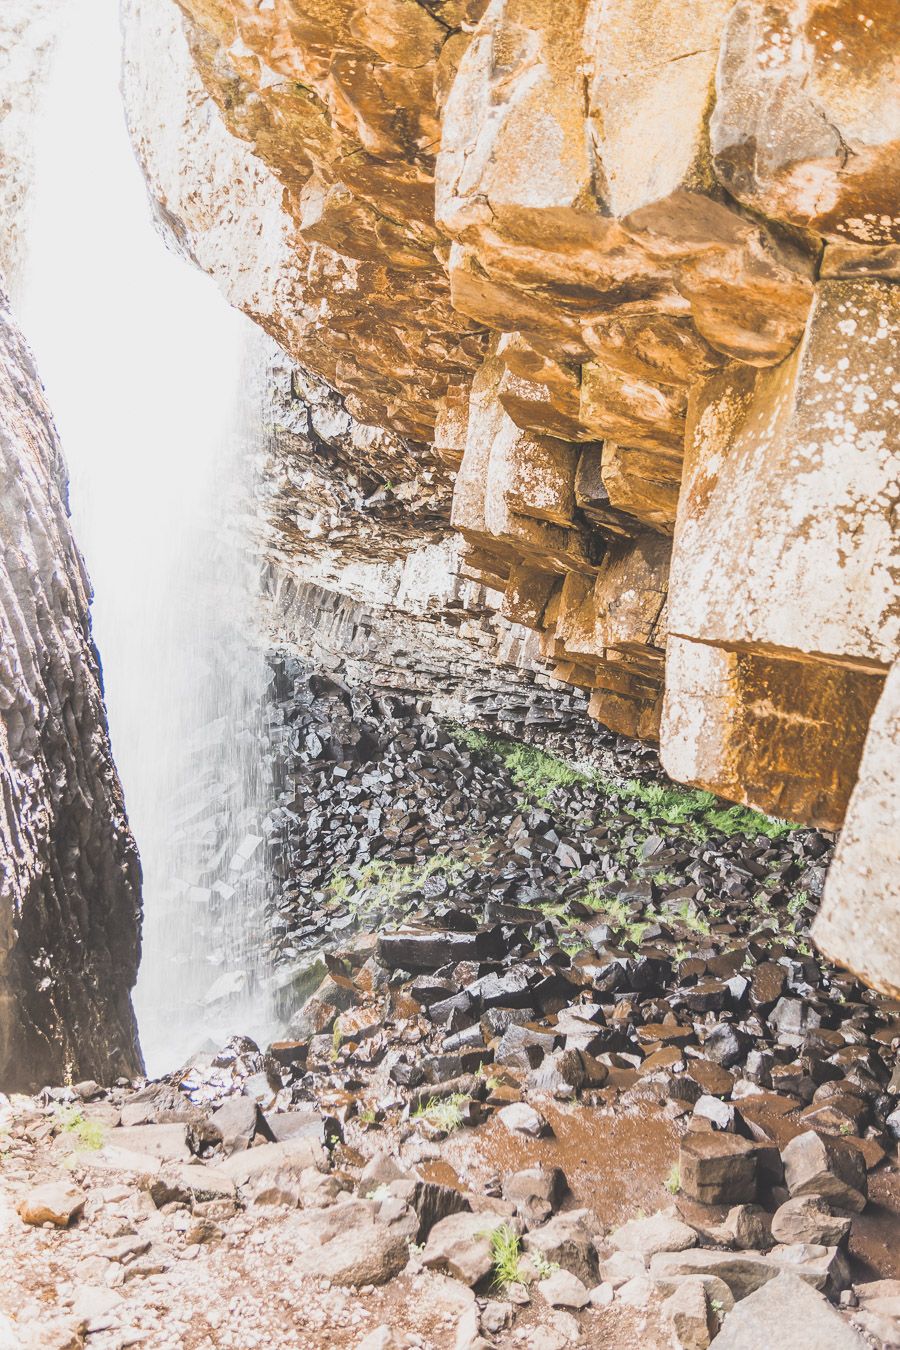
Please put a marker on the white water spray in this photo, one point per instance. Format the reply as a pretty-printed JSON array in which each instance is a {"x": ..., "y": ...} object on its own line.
[{"x": 153, "y": 380}]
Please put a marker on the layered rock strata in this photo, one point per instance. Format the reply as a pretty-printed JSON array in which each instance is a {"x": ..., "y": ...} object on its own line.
[
  {"x": 69, "y": 871},
  {"x": 630, "y": 272}
]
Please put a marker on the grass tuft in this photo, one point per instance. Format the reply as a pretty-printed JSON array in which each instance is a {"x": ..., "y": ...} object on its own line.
[
  {"x": 379, "y": 884},
  {"x": 672, "y": 1182},
  {"x": 443, "y": 1113},
  {"x": 89, "y": 1133},
  {"x": 506, "y": 1252}
]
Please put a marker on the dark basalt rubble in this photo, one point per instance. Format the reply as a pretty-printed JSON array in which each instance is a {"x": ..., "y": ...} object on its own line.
[{"x": 474, "y": 948}]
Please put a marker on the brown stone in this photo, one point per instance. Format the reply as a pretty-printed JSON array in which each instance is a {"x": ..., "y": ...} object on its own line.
[
  {"x": 717, "y": 1168},
  {"x": 711, "y": 1077},
  {"x": 805, "y": 126},
  {"x": 55, "y": 1202}
]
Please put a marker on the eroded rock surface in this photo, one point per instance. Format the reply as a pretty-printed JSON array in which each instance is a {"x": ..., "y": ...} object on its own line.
[
  {"x": 69, "y": 872},
  {"x": 628, "y": 272}
]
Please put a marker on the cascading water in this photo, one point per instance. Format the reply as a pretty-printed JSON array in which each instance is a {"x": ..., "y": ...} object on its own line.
[{"x": 156, "y": 386}]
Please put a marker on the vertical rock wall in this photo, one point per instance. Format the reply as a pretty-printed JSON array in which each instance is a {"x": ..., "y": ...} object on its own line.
[{"x": 69, "y": 871}]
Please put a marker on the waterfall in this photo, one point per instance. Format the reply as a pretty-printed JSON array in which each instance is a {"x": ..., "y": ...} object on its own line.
[{"x": 156, "y": 387}]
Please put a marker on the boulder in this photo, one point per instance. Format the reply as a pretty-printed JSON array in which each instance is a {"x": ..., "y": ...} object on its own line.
[
  {"x": 562, "y": 1289},
  {"x": 688, "y": 1314},
  {"x": 546, "y": 1183},
  {"x": 808, "y": 1218},
  {"x": 347, "y": 1245},
  {"x": 786, "y": 1314},
  {"x": 815, "y": 1164},
  {"x": 189, "y": 1184},
  {"x": 560, "y": 1074},
  {"x": 56, "y": 1202},
  {"x": 659, "y": 1233},
  {"x": 717, "y": 1168},
  {"x": 236, "y": 1120},
  {"x": 296, "y": 1153},
  {"x": 460, "y": 1245},
  {"x": 748, "y": 1226},
  {"x": 567, "y": 1241},
  {"x": 169, "y": 1143},
  {"x": 744, "y": 1272},
  {"x": 520, "y": 1118}
]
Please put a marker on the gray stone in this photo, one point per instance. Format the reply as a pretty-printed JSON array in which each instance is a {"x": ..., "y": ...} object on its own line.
[
  {"x": 381, "y": 1169},
  {"x": 560, "y": 1074},
  {"x": 460, "y": 1245},
  {"x": 658, "y": 1233},
  {"x": 816, "y": 1164},
  {"x": 688, "y": 1314},
  {"x": 745, "y": 1272},
  {"x": 720, "y": 1114},
  {"x": 621, "y": 1267},
  {"x": 562, "y": 1289},
  {"x": 383, "y": 1338},
  {"x": 567, "y": 1241},
  {"x": 236, "y": 1121},
  {"x": 638, "y": 1292},
  {"x": 346, "y": 1244},
  {"x": 791, "y": 1019},
  {"x": 808, "y": 1218},
  {"x": 748, "y": 1226},
  {"x": 166, "y": 1142},
  {"x": 296, "y": 1153},
  {"x": 520, "y": 1118},
  {"x": 546, "y": 1183},
  {"x": 189, "y": 1184},
  {"x": 786, "y": 1314},
  {"x": 719, "y": 1297}
]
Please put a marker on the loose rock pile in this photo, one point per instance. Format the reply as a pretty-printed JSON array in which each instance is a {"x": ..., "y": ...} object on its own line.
[{"x": 512, "y": 953}]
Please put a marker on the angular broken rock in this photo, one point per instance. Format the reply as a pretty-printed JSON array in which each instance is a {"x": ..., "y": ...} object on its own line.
[
  {"x": 748, "y": 1227},
  {"x": 743, "y": 1272},
  {"x": 460, "y": 1245},
  {"x": 236, "y": 1121},
  {"x": 347, "y": 1245},
  {"x": 567, "y": 1241},
  {"x": 383, "y": 1338},
  {"x": 786, "y": 1314},
  {"x": 427, "y": 949},
  {"x": 562, "y": 1289},
  {"x": 717, "y": 1168},
  {"x": 56, "y": 1202},
  {"x": 688, "y": 1313},
  {"x": 808, "y": 1218},
  {"x": 561, "y": 1074},
  {"x": 520, "y": 1118},
  {"x": 541, "y": 1183},
  {"x": 658, "y": 1233},
  {"x": 189, "y": 1184},
  {"x": 816, "y": 1164},
  {"x": 166, "y": 1142},
  {"x": 621, "y": 1267},
  {"x": 297, "y": 1153}
]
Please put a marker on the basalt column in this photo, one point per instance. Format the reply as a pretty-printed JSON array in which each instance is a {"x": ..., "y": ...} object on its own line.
[{"x": 69, "y": 871}]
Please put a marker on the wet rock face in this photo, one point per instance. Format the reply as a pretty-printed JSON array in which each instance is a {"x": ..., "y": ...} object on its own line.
[
  {"x": 629, "y": 271},
  {"x": 69, "y": 872}
]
